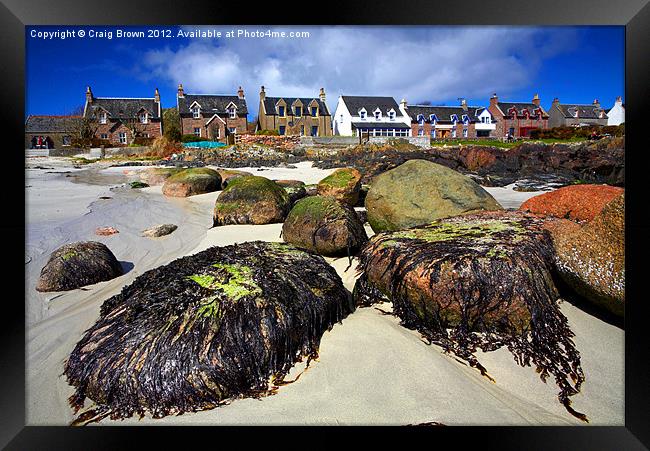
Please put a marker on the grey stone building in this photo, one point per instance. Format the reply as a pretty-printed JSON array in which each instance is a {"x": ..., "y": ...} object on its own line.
[{"x": 565, "y": 115}]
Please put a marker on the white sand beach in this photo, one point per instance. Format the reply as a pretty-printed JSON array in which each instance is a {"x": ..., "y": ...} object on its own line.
[{"x": 370, "y": 369}]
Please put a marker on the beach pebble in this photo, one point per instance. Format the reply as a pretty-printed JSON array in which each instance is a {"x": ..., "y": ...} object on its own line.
[{"x": 105, "y": 231}]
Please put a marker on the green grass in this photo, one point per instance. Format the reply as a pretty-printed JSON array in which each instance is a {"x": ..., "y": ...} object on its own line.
[{"x": 501, "y": 144}]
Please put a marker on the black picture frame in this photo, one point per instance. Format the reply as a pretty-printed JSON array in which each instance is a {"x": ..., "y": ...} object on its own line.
[{"x": 633, "y": 14}]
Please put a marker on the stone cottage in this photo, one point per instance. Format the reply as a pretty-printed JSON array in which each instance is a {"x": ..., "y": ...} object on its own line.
[
  {"x": 50, "y": 132},
  {"x": 212, "y": 116},
  {"x": 120, "y": 120},
  {"x": 576, "y": 115},
  {"x": 298, "y": 116},
  {"x": 517, "y": 119}
]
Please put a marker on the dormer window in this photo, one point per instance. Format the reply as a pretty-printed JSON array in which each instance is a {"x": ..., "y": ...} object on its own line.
[
  {"x": 465, "y": 119},
  {"x": 391, "y": 115},
  {"x": 196, "y": 112},
  {"x": 314, "y": 111},
  {"x": 420, "y": 119},
  {"x": 143, "y": 117},
  {"x": 297, "y": 111},
  {"x": 281, "y": 111},
  {"x": 363, "y": 114},
  {"x": 377, "y": 115},
  {"x": 102, "y": 117},
  {"x": 433, "y": 119},
  {"x": 232, "y": 113},
  {"x": 454, "y": 119}
]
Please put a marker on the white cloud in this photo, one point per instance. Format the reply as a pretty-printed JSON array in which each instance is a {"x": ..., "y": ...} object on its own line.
[{"x": 436, "y": 64}]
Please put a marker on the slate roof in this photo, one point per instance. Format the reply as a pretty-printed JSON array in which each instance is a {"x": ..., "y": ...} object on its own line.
[
  {"x": 50, "y": 124},
  {"x": 443, "y": 113},
  {"x": 531, "y": 107},
  {"x": 270, "y": 102},
  {"x": 211, "y": 104},
  {"x": 385, "y": 104},
  {"x": 584, "y": 111},
  {"x": 124, "y": 108}
]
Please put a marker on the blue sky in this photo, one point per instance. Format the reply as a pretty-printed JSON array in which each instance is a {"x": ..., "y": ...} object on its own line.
[{"x": 421, "y": 64}]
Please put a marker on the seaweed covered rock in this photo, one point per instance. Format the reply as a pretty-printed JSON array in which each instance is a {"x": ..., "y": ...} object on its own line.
[
  {"x": 159, "y": 230},
  {"x": 322, "y": 224},
  {"x": 591, "y": 258},
  {"x": 419, "y": 192},
  {"x": 343, "y": 184},
  {"x": 230, "y": 174},
  {"x": 578, "y": 203},
  {"x": 295, "y": 193},
  {"x": 251, "y": 200},
  {"x": 192, "y": 181},
  {"x": 78, "y": 264},
  {"x": 222, "y": 323},
  {"x": 477, "y": 281},
  {"x": 157, "y": 176}
]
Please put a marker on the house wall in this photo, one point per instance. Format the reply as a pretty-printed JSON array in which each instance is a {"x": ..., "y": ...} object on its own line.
[
  {"x": 435, "y": 131},
  {"x": 342, "y": 120},
  {"x": 616, "y": 115},
  {"x": 189, "y": 123},
  {"x": 505, "y": 123},
  {"x": 153, "y": 128},
  {"x": 273, "y": 122},
  {"x": 56, "y": 137}
]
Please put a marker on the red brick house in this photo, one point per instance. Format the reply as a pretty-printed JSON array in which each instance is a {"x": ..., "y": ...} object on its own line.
[
  {"x": 120, "y": 120},
  {"x": 212, "y": 116},
  {"x": 517, "y": 119}
]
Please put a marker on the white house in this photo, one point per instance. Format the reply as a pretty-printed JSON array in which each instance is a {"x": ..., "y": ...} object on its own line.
[
  {"x": 616, "y": 115},
  {"x": 377, "y": 116}
]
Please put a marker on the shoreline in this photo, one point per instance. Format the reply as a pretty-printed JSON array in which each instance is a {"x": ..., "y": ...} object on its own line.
[{"x": 371, "y": 370}]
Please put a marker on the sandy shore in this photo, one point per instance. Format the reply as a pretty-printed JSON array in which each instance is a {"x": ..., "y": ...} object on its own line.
[{"x": 371, "y": 370}]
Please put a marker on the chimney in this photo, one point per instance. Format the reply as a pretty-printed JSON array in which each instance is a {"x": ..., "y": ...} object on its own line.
[
  {"x": 463, "y": 103},
  {"x": 556, "y": 101},
  {"x": 240, "y": 93},
  {"x": 619, "y": 99},
  {"x": 89, "y": 95},
  {"x": 403, "y": 105},
  {"x": 596, "y": 103},
  {"x": 181, "y": 93},
  {"x": 156, "y": 96},
  {"x": 536, "y": 100},
  {"x": 321, "y": 95},
  {"x": 494, "y": 99},
  {"x": 262, "y": 94}
]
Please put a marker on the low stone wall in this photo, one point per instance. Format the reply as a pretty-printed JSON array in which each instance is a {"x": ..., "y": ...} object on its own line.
[
  {"x": 277, "y": 142},
  {"x": 420, "y": 141},
  {"x": 113, "y": 151},
  {"x": 329, "y": 140}
]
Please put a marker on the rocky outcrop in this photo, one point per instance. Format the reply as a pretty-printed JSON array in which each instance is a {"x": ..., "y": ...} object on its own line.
[
  {"x": 591, "y": 258},
  {"x": 578, "y": 203},
  {"x": 343, "y": 184},
  {"x": 223, "y": 323},
  {"x": 251, "y": 200},
  {"x": 192, "y": 181},
  {"x": 159, "y": 230},
  {"x": 476, "y": 281},
  {"x": 419, "y": 192},
  {"x": 78, "y": 264},
  {"x": 322, "y": 224}
]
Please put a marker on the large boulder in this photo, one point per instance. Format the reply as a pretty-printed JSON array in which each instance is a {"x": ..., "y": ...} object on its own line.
[
  {"x": 322, "y": 224},
  {"x": 223, "y": 323},
  {"x": 343, "y": 184},
  {"x": 481, "y": 280},
  {"x": 419, "y": 192},
  {"x": 230, "y": 174},
  {"x": 78, "y": 264},
  {"x": 192, "y": 181},
  {"x": 157, "y": 176},
  {"x": 591, "y": 258},
  {"x": 159, "y": 230},
  {"x": 251, "y": 200},
  {"x": 577, "y": 203},
  {"x": 295, "y": 189}
]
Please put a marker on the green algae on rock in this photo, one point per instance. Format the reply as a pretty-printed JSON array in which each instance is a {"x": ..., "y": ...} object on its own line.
[
  {"x": 223, "y": 323},
  {"x": 322, "y": 224},
  {"x": 477, "y": 281},
  {"x": 157, "y": 176},
  {"x": 343, "y": 184},
  {"x": 419, "y": 192},
  {"x": 251, "y": 200},
  {"x": 192, "y": 181}
]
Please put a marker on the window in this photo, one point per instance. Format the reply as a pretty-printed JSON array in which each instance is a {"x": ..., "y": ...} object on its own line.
[
  {"x": 511, "y": 131},
  {"x": 66, "y": 140},
  {"x": 433, "y": 119},
  {"x": 197, "y": 131},
  {"x": 282, "y": 130},
  {"x": 420, "y": 132},
  {"x": 143, "y": 118},
  {"x": 122, "y": 137},
  {"x": 232, "y": 130},
  {"x": 362, "y": 115},
  {"x": 102, "y": 117},
  {"x": 298, "y": 111},
  {"x": 196, "y": 112},
  {"x": 421, "y": 119},
  {"x": 103, "y": 136},
  {"x": 482, "y": 133},
  {"x": 453, "y": 133},
  {"x": 314, "y": 130},
  {"x": 302, "y": 130},
  {"x": 464, "y": 133},
  {"x": 314, "y": 111},
  {"x": 378, "y": 115},
  {"x": 281, "y": 111},
  {"x": 391, "y": 115},
  {"x": 232, "y": 113},
  {"x": 145, "y": 135}
]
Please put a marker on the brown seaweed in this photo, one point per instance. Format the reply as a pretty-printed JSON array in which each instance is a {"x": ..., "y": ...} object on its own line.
[
  {"x": 522, "y": 271},
  {"x": 224, "y": 323}
]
